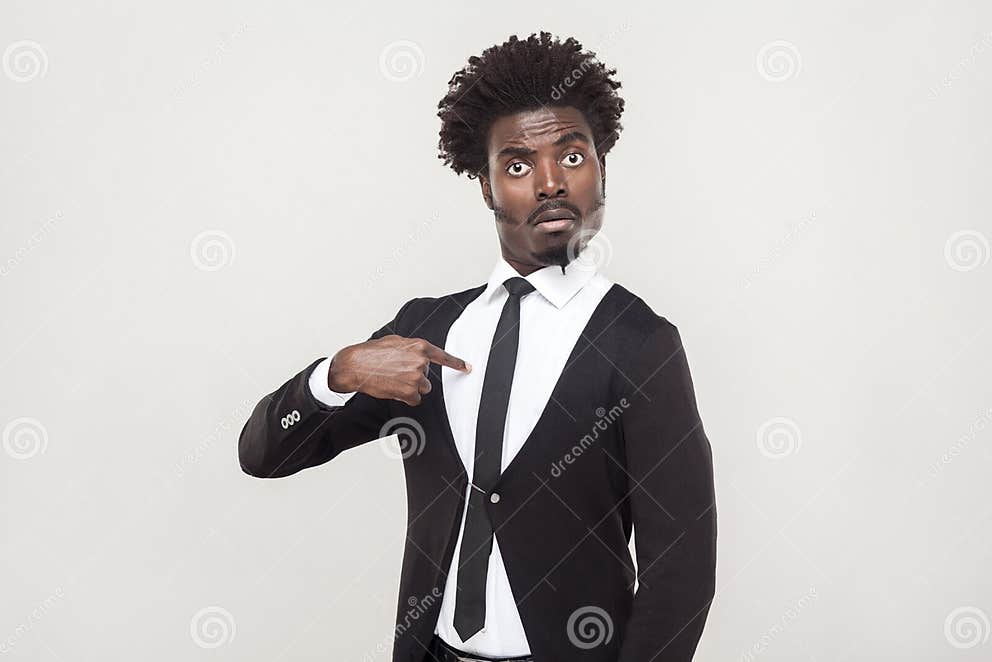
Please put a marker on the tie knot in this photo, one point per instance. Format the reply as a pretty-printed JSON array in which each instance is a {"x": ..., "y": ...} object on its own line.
[{"x": 518, "y": 286}]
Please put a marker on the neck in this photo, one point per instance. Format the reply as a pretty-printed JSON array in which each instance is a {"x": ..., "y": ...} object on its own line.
[{"x": 523, "y": 268}]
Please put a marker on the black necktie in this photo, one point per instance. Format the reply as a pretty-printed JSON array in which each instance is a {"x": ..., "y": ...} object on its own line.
[{"x": 477, "y": 540}]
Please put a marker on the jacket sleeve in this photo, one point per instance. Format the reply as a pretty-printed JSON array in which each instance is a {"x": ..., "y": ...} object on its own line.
[
  {"x": 290, "y": 430},
  {"x": 673, "y": 503}
]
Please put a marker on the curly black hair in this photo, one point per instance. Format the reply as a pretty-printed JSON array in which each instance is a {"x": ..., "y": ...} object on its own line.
[{"x": 524, "y": 75}]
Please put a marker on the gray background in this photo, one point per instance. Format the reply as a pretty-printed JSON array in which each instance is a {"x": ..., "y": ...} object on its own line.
[{"x": 802, "y": 188}]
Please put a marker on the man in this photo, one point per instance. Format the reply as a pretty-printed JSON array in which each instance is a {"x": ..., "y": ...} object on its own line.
[{"x": 542, "y": 414}]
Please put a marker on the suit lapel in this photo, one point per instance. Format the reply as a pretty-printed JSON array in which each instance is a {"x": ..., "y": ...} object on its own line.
[
  {"x": 434, "y": 328},
  {"x": 598, "y": 322}
]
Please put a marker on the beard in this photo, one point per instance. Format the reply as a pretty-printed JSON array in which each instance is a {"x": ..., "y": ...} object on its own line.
[{"x": 558, "y": 254}]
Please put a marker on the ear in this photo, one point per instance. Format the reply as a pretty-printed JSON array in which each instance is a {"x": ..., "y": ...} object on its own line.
[
  {"x": 602, "y": 167},
  {"x": 487, "y": 191}
]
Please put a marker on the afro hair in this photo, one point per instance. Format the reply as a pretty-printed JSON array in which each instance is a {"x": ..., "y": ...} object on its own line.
[{"x": 518, "y": 76}]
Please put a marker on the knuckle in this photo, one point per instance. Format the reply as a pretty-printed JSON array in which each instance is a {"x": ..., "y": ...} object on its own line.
[{"x": 410, "y": 396}]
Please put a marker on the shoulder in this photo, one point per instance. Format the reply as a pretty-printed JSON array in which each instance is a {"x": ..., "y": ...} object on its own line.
[
  {"x": 418, "y": 309},
  {"x": 636, "y": 320},
  {"x": 650, "y": 354}
]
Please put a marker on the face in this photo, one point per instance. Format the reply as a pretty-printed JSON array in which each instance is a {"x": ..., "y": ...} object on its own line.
[{"x": 544, "y": 163}]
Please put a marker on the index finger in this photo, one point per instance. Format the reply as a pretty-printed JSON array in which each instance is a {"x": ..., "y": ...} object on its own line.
[{"x": 438, "y": 355}]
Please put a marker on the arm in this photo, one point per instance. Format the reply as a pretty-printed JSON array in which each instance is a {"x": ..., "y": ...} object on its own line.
[
  {"x": 672, "y": 501},
  {"x": 290, "y": 429}
]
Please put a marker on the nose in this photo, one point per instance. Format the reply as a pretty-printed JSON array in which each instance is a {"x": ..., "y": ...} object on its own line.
[{"x": 550, "y": 182}]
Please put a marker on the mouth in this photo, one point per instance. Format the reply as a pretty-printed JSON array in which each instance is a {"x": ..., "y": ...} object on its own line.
[
  {"x": 554, "y": 220},
  {"x": 554, "y": 215},
  {"x": 555, "y": 225}
]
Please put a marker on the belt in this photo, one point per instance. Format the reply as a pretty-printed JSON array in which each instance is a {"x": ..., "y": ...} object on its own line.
[{"x": 440, "y": 651}]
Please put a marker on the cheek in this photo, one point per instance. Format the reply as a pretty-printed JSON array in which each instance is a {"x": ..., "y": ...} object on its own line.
[
  {"x": 511, "y": 193},
  {"x": 592, "y": 175}
]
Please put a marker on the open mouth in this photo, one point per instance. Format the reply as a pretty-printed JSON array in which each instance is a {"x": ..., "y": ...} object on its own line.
[{"x": 558, "y": 217}]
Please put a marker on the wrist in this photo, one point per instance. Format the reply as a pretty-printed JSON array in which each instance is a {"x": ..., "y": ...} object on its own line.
[{"x": 337, "y": 379}]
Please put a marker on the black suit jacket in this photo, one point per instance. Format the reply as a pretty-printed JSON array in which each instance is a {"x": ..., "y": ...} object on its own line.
[{"x": 620, "y": 442}]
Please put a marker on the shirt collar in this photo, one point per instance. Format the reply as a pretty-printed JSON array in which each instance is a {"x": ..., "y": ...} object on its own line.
[{"x": 554, "y": 286}]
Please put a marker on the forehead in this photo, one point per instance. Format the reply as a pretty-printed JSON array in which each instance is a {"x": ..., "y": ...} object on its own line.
[{"x": 531, "y": 128}]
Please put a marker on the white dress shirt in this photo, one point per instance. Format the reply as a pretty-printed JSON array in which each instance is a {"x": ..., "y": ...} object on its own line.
[{"x": 551, "y": 319}]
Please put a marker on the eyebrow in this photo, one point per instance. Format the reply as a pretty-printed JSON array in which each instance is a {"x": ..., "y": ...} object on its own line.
[{"x": 571, "y": 136}]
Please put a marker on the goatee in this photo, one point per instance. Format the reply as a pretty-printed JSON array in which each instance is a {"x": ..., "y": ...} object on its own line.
[{"x": 558, "y": 255}]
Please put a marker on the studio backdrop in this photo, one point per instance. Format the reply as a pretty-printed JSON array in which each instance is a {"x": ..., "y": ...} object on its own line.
[{"x": 201, "y": 199}]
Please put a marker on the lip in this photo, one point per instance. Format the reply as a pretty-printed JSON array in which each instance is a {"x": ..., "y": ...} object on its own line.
[
  {"x": 554, "y": 215},
  {"x": 555, "y": 225}
]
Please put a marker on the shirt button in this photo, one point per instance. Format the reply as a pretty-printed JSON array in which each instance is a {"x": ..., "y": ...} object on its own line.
[{"x": 494, "y": 497}]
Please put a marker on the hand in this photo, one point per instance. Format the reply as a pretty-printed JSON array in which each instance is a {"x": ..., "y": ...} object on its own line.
[{"x": 391, "y": 367}]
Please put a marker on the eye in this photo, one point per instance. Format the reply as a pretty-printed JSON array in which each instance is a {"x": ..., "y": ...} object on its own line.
[
  {"x": 516, "y": 173},
  {"x": 575, "y": 163}
]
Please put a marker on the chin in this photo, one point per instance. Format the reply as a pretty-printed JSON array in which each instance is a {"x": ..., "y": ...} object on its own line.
[{"x": 556, "y": 256}]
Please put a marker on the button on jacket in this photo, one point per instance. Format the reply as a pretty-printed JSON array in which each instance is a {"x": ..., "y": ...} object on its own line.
[{"x": 602, "y": 433}]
